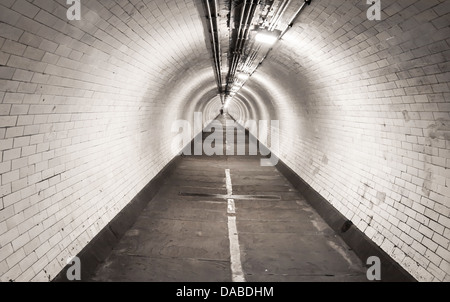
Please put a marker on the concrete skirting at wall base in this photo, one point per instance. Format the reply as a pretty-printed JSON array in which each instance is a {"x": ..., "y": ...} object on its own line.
[
  {"x": 391, "y": 271},
  {"x": 101, "y": 246}
]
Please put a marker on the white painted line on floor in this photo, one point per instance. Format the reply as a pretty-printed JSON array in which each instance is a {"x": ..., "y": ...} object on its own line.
[
  {"x": 211, "y": 202},
  {"x": 229, "y": 186},
  {"x": 235, "y": 251},
  {"x": 237, "y": 273},
  {"x": 231, "y": 206}
]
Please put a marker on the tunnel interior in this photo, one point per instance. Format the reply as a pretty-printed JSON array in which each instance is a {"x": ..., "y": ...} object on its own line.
[{"x": 88, "y": 107}]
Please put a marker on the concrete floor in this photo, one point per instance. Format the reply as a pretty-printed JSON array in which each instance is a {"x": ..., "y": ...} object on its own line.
[{"x": 183, "y": 234}]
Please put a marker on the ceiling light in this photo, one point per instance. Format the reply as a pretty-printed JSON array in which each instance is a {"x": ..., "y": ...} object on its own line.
[
  {"x": 266, "y": 37},
  {"x": 243, "y": 76}
]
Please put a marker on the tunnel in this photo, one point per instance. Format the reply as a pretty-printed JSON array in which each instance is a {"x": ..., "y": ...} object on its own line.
[{"x": 95, "y": 170}]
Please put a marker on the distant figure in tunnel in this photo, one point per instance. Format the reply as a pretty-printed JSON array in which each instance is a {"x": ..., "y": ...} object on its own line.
[{"x": 221, "y": 111}]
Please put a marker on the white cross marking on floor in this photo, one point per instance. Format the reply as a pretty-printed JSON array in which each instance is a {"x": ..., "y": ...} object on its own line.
[
  {"x": 235, "y": 251},
  {"x": 231, "y": 206},
  {"x": 229, "y": 185}
]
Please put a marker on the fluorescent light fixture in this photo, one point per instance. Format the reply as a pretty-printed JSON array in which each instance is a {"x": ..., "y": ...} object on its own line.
[
  {"x": 243, "y": 76},
  {"x": 266, "y": 37}
]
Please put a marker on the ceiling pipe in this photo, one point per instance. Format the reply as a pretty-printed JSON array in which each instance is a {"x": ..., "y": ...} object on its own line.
[
  {"x": 250, "y": 16},
  {"x": 292, "y": 20},
  {"x": 266, "y": 21},
  {"x": 235, "y": 50},
  {"x": 273, "y": 24},
  {"x": 240, "y": 40},
  {"x": 247, "y": 14},
  {"x": 219, "y": 58},
  {"x": 216, "y": 44},
  {"x": 251, "y": 11},
  {"x": 275, "y": 16},
  {"x": 239, "y": 56}
]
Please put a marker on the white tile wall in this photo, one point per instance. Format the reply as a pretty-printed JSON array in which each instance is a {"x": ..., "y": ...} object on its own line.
[{"x": 85, "y": 117}]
